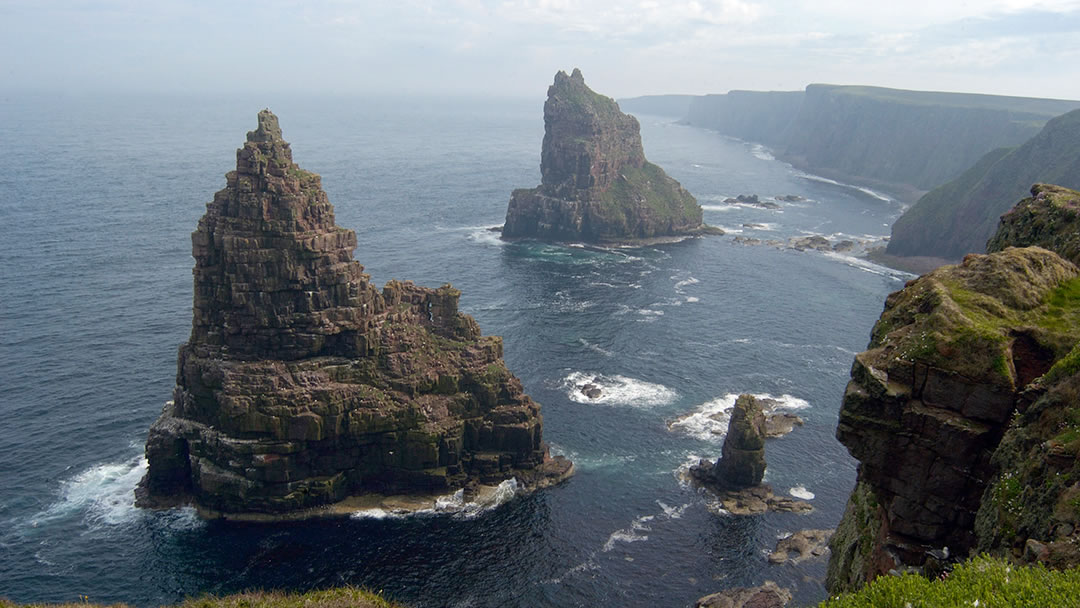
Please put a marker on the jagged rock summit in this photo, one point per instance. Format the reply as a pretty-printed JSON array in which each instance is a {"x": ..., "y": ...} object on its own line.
[
  {"x": 596, "y": 185},
  {"x": 302, "y": 384}
]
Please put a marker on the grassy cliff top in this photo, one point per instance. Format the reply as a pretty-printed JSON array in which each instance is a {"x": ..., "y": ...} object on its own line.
[
  {"x": 1047, "y": 108},
  {"x": 980, "y": 582},
  {"x": 963, "y": 318}
]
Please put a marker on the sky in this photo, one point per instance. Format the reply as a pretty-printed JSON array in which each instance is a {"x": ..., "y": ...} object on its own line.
[{"x": 512, "y": 48}]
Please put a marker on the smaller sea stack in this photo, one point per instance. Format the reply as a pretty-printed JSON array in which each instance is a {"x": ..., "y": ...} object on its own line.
[{"x": 596, "y": 185}]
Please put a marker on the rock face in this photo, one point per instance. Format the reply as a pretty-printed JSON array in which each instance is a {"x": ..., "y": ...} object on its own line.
[
  {"x": 955, "y": 354},
  {"x": 596, "y": 185},
  {"x": 1049, "y": 218},
  {"x": 302, "y": 384},
  {"x": 742, "y": 461}
]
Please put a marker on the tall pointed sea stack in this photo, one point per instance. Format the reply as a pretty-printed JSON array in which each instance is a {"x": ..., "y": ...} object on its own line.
[
  {"x": 596, "y": 185},
  {"x": 302, "y": 384}
]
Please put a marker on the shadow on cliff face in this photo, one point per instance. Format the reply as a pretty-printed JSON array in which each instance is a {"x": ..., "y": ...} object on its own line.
[{"x": 1029, "y": 358}]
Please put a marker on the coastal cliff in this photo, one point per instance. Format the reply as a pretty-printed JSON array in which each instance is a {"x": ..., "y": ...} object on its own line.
[
  {"x": 302, "y": 384},
  {"x": 963, "y": 415},
  {"x": 596, "y": 184},
  {"x": 958, "y": 217},
  {"x": 903, "y": 141}
]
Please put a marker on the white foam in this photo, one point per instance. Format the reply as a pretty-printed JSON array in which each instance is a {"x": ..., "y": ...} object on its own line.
[
  {"x": 685, "y": 282},
  {"x": 650, "y": 314},
  {"x": 832, "y": 182},
  {"x": 692, "y": 299},
  {"x": 484, "y": 236},
  {"x": 801, "y": 492},
  {"x": 673, "y": 512},
  {"x": 761, "y": 152},
  {"x": 104, "y": 494},
  {"x": 453, "y": 504},
  {"x": 868, "y": 266},
  {"x": 596, "y": 348},
  {"x": 710, "y": 420},
  {"x": 617, "y": 390},
  {"x": 632, "y": 534}
]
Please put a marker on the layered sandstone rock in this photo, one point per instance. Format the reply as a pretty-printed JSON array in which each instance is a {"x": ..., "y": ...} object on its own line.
[
  {"x": 595, "y": 182},
  {"x": 302, "y": 384},
  {"x": 952, "y": 359}
]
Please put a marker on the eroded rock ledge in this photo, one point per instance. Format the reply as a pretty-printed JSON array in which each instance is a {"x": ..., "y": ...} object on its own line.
[
  {"x": 302, "y": 384},
  {"x": 596, "y": 185}
]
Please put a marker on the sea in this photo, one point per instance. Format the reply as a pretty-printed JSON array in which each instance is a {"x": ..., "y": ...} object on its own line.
[{"x": 97, "y": 202}]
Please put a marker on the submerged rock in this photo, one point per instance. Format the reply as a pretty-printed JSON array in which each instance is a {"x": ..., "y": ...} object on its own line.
[
  {"x": 302, "y": 384},
  {"x": 768, "y": 595},
  {"x": 801, "y": 546},
  {"x": 596, "y": 185}
]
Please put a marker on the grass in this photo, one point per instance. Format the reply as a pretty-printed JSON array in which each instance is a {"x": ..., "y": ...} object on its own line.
[
  {"x": 341, "y": 597},
  {"x": 980, "y": 582}
]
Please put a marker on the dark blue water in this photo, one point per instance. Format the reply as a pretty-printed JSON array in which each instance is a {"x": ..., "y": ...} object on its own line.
[{"x": 98, "y": 199}]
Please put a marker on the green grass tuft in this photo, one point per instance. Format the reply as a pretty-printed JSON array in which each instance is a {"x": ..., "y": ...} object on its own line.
[{"x": 980, "y": 582}]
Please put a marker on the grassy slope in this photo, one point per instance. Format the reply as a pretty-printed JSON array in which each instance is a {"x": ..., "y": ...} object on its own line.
[
  {"x": 960, "y": 216},
  {"x": 980, "y": 582}
]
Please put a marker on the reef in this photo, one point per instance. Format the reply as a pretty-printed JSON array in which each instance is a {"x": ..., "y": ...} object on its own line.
[
  {"x": 302, "y": 384},
  {"x": 960, "y": 413},
  {"x": 596, "y": 185}
]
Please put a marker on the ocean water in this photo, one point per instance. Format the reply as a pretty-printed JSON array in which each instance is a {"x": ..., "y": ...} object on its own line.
[{"x": 99, "y": 198}]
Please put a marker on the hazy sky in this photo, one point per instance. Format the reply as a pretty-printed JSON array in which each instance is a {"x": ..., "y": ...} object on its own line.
[{"x": 514, "y": 47}]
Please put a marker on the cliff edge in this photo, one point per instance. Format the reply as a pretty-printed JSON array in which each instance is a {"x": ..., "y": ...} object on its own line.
[
  {"x": 302, "y": 384},
  {"x": 596, "y": 185},
  {"x": 962, "y": 413}
]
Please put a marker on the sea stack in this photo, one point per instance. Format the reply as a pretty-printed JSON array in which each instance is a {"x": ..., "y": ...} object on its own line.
[
  {"x": 302, "y": 384},
  {"x": 596, "y": 185}
]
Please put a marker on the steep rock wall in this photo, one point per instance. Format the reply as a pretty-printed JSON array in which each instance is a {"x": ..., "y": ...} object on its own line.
[{"x": 932, "y": 396}]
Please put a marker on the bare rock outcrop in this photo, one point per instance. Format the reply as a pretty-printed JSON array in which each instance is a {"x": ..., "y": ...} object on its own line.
[
  {"x": 735, "y": 477},
  {"x": 596, "y": 184},
  {"x": 303, "y": 384}
]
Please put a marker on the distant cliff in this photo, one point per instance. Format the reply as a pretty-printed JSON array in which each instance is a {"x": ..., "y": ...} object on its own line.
[
  {"x": 958, "y": 217},
  {"x": 761, "y": 116},
  {"x": 596, "y": 184},
  {"x": 302, "y": 384},
  {"x": 671, "y": 106},
  {"x": 964, "y": 411},
  {"x": 900, "y": 140}
]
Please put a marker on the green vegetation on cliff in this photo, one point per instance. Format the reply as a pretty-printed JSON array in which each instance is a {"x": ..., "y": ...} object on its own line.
[
  {"x": 1049, "y": 218},
  {"x": 983, "y": 581},
  {"x": 959, "y": 216}
]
